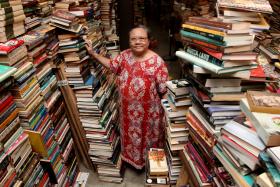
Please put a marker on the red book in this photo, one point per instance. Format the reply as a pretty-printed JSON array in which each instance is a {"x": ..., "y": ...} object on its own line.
[
  {"x": 258, "y": 72},
  {"x": 6, "y": 103},
  {"x": 43, "y": 180},
  {"x": 9, "y": 46}
]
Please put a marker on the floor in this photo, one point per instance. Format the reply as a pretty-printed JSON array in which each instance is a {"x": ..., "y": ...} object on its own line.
[{"x": 132, "y": 178}]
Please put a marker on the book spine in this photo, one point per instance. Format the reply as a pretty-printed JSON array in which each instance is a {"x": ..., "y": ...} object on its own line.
[
  {"x": 200, "y": 20},
  {"x": 199, "y": 62},
  {"x": 204, "y": 56},
  {"x": 202, "y": 29},
  {"x": 201, "y": 38},
  {"x": 208, "y": 35}
]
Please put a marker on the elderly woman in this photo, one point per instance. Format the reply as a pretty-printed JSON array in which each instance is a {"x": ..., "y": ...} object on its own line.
[{"x": 141, "y": 82}]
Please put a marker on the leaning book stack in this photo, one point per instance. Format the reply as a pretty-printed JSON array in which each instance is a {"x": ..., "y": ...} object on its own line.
[{"x": 176, "y": 107}]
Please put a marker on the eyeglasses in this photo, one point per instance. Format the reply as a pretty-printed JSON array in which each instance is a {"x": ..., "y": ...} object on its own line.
[{"x": 140, "y": 39}]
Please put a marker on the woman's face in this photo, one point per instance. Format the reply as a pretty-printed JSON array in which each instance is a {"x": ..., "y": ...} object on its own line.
[{"x": 138, "y": 40}]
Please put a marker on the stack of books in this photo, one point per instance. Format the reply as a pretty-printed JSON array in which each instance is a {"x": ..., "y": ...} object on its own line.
[
  {"x": 64, "y": 5},
  {"x": 249, "y": 149},
  {"x": 100, "y": 122},
  {"x": 176, "y": 107},
  {"x": 274, "y": 17},
  {"x": 219, "y": 47},
  {"x": 12, "y": 20},
  {"x": 139, "y": 10},
  {"x": 156, "y": 168},
  {"x": 30, "y": 8},
  {"x": 65, "y": 20},
  {"x": 44, "y": 8},
  {"x": 245, "y": 11},
  {"x": 106, "y": 15},
  {"x": 204, "y": 8},
  {"x": 174, "y": 164}
]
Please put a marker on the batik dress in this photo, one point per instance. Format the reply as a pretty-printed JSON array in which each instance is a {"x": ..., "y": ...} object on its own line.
[{"x": 140, "y": 85}]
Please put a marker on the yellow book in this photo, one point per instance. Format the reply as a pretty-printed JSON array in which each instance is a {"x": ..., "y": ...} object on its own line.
[
  {"x": 197, "y": 28},
  {"x": 37, "y": 143}
]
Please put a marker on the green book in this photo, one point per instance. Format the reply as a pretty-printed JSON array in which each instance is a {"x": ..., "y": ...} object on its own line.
[
  {"x": 6, "y": 72},
  {"x": 201, "y": 38}
]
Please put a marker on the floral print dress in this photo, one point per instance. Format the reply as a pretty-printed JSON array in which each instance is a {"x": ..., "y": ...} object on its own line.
[{"x": 140, "y": 85}]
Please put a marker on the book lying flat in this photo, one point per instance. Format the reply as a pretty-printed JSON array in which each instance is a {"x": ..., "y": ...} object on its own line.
[
  {"x": 6, "y": 71},
  {"x": 209, "y": 66}
]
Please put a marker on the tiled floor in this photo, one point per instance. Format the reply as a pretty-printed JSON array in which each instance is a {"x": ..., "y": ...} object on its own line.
[{"x": 133, "y": 178}]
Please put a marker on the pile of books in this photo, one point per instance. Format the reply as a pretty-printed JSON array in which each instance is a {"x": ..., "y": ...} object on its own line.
[
  {"x": 66, "y": 20},
  {"x": 221, "y": 67},
  {"x": 249, "y": 149},
  {"x": 44, "y": 8},
  {"x": 16, "y": 150},
  {"x": 274, "y": 17},
  {"x": 176, "y": 107},
  {"x": 12, "y": 20},
  {"x": 204, "y": 8},
  {"x": 30, "y": 10},
  {"x": 156, "y": 168},
  {"x": 245, "y": 11}
]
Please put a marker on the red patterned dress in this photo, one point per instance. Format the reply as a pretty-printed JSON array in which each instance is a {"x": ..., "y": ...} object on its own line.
[{"x": 142, "y": 119}]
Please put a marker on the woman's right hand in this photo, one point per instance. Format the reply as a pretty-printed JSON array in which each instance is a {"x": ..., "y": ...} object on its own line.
[{"x": 89, "y": 48}]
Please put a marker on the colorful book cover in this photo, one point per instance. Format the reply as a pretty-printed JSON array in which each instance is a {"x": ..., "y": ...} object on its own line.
[{"x": 9, "y": 46}]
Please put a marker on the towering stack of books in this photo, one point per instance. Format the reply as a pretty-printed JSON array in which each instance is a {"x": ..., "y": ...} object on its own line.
[
  {"x": 249, "y": 149},
  {"x": 106, "y": 14},
  {"x": 176, "y": 106},
  {"x": 156, "y": 168},
  {"x": 12, "y": 20}
]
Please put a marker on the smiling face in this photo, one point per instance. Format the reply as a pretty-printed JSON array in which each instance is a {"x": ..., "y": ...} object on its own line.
[{"x": 138, "y": 41}]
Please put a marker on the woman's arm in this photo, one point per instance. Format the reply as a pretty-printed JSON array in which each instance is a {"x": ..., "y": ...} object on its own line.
[{"x": 103, "y": 60}]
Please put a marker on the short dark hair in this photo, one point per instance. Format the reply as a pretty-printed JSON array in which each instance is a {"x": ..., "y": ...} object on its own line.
[{"x": 142, "y": 27}]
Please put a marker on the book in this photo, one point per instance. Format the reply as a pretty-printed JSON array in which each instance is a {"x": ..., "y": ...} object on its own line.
[
  {"x": 249, "y": 5},
  {"x": 271, "y": 169},
  {"x": 267, "y": 125},
  {"x": 6, "y": 72},
  {"x": 157, "y": 162},
  {"x": 207, "y": 65},
  {"x": 274, "y": 153}
]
